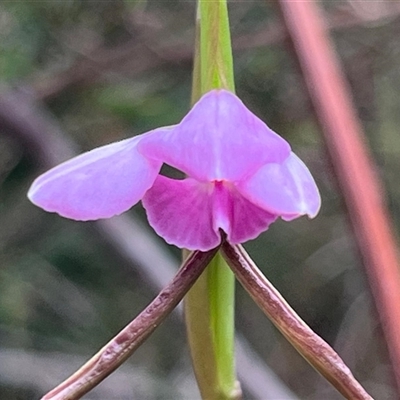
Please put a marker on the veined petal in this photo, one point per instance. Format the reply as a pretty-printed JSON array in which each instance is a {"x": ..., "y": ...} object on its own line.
[
  {"x": 189, "y": 214},
  {"x": 180, "y": 211},
  {"x": 236, "y": 216},
  {"x": 286, "y": 189},
  {"x": 98, "y": 184},
  {"x": 219, "y": 139}
]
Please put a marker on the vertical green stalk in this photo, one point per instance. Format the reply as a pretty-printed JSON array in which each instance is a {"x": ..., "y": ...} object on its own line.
[
  {"x": 216, "y": 62},
  {"x": 209, "y": 306},
  {"x": 221, "y": 294}
]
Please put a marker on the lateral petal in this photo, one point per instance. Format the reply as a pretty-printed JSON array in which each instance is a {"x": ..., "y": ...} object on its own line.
[
  {"x": 219, "y": 139},
  {"x": 286, "y": 189},
  {"x": 101, "y": 183},
  {"x": 180, "y": 211}
]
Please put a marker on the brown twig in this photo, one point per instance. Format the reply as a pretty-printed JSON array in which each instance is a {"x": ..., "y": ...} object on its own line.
[
  {"x": 314, "y": 349},
  {"x": 353, "y": 165},
  {"x": 115, "y": 352}
]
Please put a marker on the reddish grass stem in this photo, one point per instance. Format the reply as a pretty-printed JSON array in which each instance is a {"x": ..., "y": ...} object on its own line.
[{"x": 353, "y": 165}]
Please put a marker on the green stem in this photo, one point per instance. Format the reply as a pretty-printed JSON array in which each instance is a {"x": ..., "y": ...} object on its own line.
[
  {"x": 209, "y": 314},
  {"x": 209, "y": 306},
  {"x": 221, "y": 292},
  {"x": 215, "y": 46}
]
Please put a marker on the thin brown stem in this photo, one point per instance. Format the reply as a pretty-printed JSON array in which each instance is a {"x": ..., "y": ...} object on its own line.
[
  {"x": 313, "y": 348},
  {"x": 115, "y": 352}
]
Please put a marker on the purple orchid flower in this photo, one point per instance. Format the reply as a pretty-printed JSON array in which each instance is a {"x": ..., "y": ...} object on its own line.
[{"x": 241, "y": 176}]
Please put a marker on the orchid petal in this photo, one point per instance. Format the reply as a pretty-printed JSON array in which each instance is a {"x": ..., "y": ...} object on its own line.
[
  {"x": 236, "y": 216},
  {"x": 189, "y": 214},
  {"x": 219, "y": 139},
  {"x": 180, "y": 211},
  {"x": 98, "y": 184},
  {"x": 286, "y": 189}
]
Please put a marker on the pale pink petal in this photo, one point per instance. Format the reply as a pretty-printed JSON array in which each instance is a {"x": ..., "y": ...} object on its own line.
[
  {"x": 180, "y": 211},
  {"x": 287, "y": 189},
  {"x": 236, "y": 216},
  {"x": 219, "y": 139},
  {"x": 98, "y": 184}
]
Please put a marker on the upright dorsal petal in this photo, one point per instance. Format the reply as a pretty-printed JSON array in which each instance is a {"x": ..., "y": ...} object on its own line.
[
  {"x": 286, "y": 189},
  {"x": 219, "y": 139},
  {"x": 101, "y": 183}
]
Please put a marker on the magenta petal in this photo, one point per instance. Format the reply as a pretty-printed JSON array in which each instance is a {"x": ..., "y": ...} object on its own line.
[
  {"x": 236, "y": 216},
  {"x": 189, "y": 214},
  {"x": 98, "y": 184},
  {"x": 180, "y": 211},
  {"x": 219, "y": 139},
  {"x": 286, "y": 189}
]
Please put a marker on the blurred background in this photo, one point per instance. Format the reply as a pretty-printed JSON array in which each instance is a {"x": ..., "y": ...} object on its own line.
[{"x": 78, "y": 74}]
